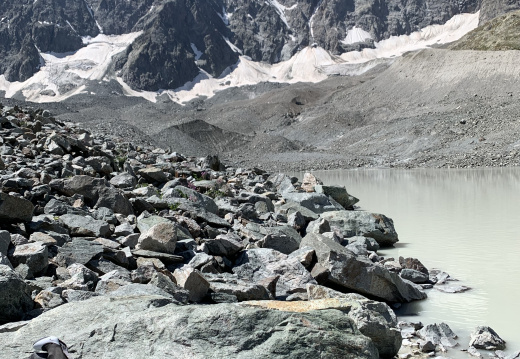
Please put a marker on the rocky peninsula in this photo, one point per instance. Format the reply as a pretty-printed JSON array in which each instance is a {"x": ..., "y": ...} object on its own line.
[{"x": 132, "y": 251}]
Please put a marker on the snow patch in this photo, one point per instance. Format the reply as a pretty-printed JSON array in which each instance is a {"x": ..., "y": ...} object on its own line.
[
  {"x": 127, "y": 91},
  {"x": 196, "y": 51},
  {"x": 356, "y": 35},
  {"x": 454, "y": 29},
  {"x": 225, "y": 16},
  {"x": 233, "y": 47},
  {"x": 280, "y": 9},
  {"x": 74, "y": 69},
  {"x": 312, "y": 18},
  {"x": 73, "y": 29}
]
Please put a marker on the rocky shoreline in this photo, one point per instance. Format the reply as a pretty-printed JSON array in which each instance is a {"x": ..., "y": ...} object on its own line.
[{"x": 121, "y": 249}]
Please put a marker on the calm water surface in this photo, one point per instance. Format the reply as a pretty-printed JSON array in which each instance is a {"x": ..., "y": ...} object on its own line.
[{"x": 465, "y": 222}]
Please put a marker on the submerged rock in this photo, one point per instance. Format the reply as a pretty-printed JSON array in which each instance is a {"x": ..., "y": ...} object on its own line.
[{"x": 484, "y": 337}]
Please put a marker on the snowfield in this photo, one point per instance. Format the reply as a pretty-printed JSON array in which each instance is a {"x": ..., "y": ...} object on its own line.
[{"x": 66, "y": 75}]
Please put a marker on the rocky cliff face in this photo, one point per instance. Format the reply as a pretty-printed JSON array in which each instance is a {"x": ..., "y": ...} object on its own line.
[
  {"x": 493, "y": 8},
  {"x": 181, "y": 38}
]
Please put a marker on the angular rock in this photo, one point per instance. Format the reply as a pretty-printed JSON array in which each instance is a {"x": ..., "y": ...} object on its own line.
[
  {"x": 153, "y": 174},
  {"x": 293, "y": 207},
  {"x": 14, "y": 297},
  {"x": 317, "y": 203},
  {"x": 484, "y": 337},
  {"x": 413, "y": 263},
  {"x": 339, "y": 194},
  {"x": 97, "y": 192},
  {"x": 123, "y": 180},
  {"x": 309, "y": 181},
  {"x": 5, "y": 240},
  {"x": 414, "y": 276},
  {"x": 48, "y": 300},
  {"x": 82, "y": 278},
  {"x": 225, "y": 245},
  {"x": 305, "y": 255},
  {"x": 361, "y": 223},
  {"x": 145, "y": 223},
  {"x": 71, "y": 295},
  {"x": 112, "y": 281},
  {"x": 438, "y": 334},
  {"x": 359, "y": 274},
  {"x": 163, "y": 282},
  {"x": 193, "y": 281},
  {"x": 198, "y": 331},
  {"x": 160, "y": 238},
  {"x": 124, "y": 229},
  {"x": 284, "y": 239},
  {"x": 165, "y": 257},
  {"x": 258, "y": 264},
  {"x": 318, "y": 226},
  {"x": 374, "y": 319},
  {"x": 193, "y": 196},
  {"x": 15, "y": 209},
  {"x": 78, "y": 251},
  {"x": 231, "y": 284},
  {"x": 5, "y": 261},
  {"x": 34, "y": 255},
  {"x": 85, "y": 226}
]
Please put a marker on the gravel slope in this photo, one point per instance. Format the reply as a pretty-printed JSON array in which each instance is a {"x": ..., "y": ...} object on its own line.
[{"x": 433, "y": 108}]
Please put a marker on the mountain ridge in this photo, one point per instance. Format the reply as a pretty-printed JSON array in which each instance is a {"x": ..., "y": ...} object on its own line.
[{"x": 163, "y": 57}]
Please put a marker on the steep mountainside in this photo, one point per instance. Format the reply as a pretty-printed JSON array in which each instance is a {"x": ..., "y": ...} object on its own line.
[
  {"x": 181, "y": 38},
  {"x": 499, "y": 34},
  {"x": 493, "y": 8}
]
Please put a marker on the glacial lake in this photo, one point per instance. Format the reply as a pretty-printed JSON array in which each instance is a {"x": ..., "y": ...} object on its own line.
[{"x": 465, "y": 222}]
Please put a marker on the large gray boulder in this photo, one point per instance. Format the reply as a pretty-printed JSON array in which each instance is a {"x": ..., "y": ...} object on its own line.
[
  {"x": 78, "y": 251},
  {"x": 193, "y": 196},
  {"x": 361, "y": 223},
  {"x": 15, "y": 209},
  {"x": 160, "y": 238},
  {"x": 358, "y": 273},
  {"x": 85, "y": 226},
  {"x": 338, "y": 193},
  {"x": 14, "y": 297},
  {"x": 224, "y": 245},
  {"x": 374, "y": 319},
  {"x": 284, "y": 239},
  {"x": 193, "y": 281},
  {"x": 34, "y": 255},
  {"x": 316, "y": 202},
  {"x": 258, "y": 264},
  {"x": 152, "y": 327},
  {"x": 97, "y": 192}
]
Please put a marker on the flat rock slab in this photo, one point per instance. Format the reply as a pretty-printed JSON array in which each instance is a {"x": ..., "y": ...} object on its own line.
[
  {"x": 15, "y": 209},
  {"x": 122, "y": 328},
  {"x": 172, "y": 258},
  {"x": 78, "y": 251},
  {"x": 85, "y": 226}
]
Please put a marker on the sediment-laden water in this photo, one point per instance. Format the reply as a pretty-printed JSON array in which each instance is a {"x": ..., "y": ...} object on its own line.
[{"x": 465, "y": 222}]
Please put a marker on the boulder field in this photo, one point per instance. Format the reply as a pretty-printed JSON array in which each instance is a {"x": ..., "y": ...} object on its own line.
[{"x": 128, "y": 251}]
